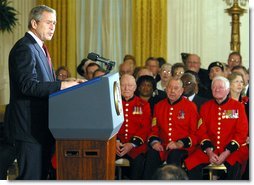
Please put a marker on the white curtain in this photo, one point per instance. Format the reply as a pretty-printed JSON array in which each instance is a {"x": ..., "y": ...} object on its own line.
[{"x": 104, "y": 27}]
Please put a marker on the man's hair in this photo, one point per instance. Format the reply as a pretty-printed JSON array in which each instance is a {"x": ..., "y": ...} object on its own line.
[
  {"x": 92, "y": 64},
  {"x": 191, "y": 76},
  {"x": 225, "y": 80},
  {"x": 80, "y": 69},
  {"x": 235, "y": 53},
  {"x": 170, "y": 172},
  {"x": 177, "y": 65},
  {"x": 36, "y": 12},
  {"x": 129, "y": 57},
  {"x": 151, "y": 58},
  {"x": 63, "y": 68},
  {"x": 240, "y": 67}
]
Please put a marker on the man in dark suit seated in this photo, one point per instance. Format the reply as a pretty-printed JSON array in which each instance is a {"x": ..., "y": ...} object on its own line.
[
  {"x": 193, "y": 63},
  {"x": 191, "y": 89}
]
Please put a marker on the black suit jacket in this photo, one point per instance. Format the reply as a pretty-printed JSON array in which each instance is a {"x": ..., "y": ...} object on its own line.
[
  {"x": 31, "y": 82},
  {"x": 199, "y": 101}
]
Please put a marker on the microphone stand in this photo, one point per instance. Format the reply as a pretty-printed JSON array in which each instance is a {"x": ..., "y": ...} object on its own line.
[{"x": 109, "y": 66}]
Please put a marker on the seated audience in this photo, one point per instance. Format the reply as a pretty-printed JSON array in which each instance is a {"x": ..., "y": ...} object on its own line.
[
  {"x": 131, "y": 138},
  {"x": 236, "y": 87},
  {"x": 222, "y": 134},
  {"x": 81, "y": 69},
  {"x": 90, "y": 70},
  {"x": 99, "y": 72},
  {"x": 143, "y": 71},
  {"x": 131, "y": 60},
  {"x": 173, "y": 131},
  {"x": 161, "y": 61},
  {"x": 201, "y": 88},
  {"x": 177, "y": 70},
  {"x": 215, "y": 69},
  {"x": 227, "y": 70},
  {"x": 242, "y": 70},
  {"x": 190, "y": 86},
  {"x": 146, "y": 90},
  {"x": 126, "y": 68},
  {"x": 62, "y": 73},
  {"x": 234, "y": 59},
  {"x": 193, "y": 63},
  {"x": 165, "y": 74},
  {"x": 153, "y": 65}
]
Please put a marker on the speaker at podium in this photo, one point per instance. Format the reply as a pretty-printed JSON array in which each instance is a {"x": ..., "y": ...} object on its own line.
[{"x": 84, "y": 120}]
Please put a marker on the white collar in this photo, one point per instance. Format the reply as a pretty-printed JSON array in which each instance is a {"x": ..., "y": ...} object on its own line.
[
  {"x": 36, "y": 38},
  {"x": 191, "y": 97}
]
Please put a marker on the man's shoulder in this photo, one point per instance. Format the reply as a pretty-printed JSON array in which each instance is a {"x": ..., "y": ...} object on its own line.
[{"x": 26, "y": 40}]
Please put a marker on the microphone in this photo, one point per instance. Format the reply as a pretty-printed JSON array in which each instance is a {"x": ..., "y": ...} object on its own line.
[{"x": 96, "y": 57}]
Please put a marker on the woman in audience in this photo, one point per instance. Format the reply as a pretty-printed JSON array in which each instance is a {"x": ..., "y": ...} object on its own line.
[
  {"x": 165, "y": 74},
  {"x": 178, "y": 70},
  {"x": 62, "y": 73}
]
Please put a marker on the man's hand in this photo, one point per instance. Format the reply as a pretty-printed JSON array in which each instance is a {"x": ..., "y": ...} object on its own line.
[
  {"x": 118, "y": 148},
  {"x": 125, "y": 148},
  {"x": 174, "y": 145},
  {"x": 223, "y": 156},
  {"x": 67, "y": 84},
  {"x": 157, "y": 146},
  {"x": 213, "y": 158}
]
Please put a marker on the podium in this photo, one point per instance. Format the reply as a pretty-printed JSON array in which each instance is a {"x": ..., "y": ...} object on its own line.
[{"x": 84, "y": 120}]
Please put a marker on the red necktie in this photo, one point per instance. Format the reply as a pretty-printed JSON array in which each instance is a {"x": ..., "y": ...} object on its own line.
[{"x": 47, "y": 55}]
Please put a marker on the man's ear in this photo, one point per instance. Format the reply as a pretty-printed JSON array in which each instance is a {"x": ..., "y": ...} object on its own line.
[{"x": 34, "y": 24}]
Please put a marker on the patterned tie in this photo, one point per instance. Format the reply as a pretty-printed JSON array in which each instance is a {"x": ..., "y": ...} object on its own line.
[{"x": 48, "y": 56}]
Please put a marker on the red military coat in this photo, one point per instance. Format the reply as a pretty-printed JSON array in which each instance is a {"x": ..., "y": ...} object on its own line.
[
  {"x": 224, "y": 126},
  {"x": 174, "y": 122},
  {"x": 136, "y": 125}
]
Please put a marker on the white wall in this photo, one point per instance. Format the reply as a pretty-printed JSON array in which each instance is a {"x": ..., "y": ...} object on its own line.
[{"x": 202, "y": 27}]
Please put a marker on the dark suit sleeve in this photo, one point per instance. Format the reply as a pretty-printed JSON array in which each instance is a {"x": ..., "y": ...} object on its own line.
[{"x": 28, "y": 73}]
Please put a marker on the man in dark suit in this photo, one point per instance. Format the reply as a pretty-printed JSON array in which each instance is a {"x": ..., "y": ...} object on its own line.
[
  {"x": 32, "y": 80},
  {"x": 190, "y": 86},
  {"x": 193, "y": 63}
]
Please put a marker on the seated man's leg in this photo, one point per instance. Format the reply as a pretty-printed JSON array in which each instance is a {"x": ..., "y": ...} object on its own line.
[
  {"x": 152, "y": 162},
  {"x": 137, "y": 167},
  {"x": 196, "y": 173},
  {"x": 176, "y": 157},
  {"x": 233, "y": 172}
]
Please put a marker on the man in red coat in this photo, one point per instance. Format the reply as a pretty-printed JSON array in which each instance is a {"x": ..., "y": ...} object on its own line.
[
  {"x": 222, "y": 134},
  {"x": 174, "y": 126},
  {"x": 132, "y": 136}
]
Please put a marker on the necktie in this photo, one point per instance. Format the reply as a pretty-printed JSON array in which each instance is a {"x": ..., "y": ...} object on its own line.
[{"x": 48, "y": 56}]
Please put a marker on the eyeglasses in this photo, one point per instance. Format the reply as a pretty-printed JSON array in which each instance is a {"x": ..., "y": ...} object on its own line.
[
  {"x": 62, "y": 75},
  {"x": 178, "y": 73},
  {"x": 235, "y": 61},
  {"x": 166, "y": 72},
  {"x": 187, "y": 83}
]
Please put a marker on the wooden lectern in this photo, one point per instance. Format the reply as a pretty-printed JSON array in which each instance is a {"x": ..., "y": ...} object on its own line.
[{"x": 84, "y": 120}]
